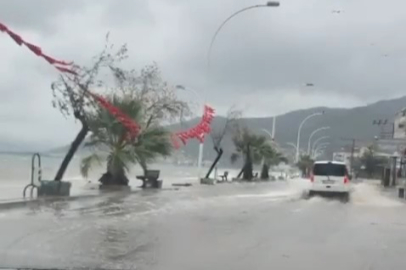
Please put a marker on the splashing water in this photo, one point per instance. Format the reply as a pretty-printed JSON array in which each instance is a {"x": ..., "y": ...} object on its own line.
[{"x": 371, "y": 195}]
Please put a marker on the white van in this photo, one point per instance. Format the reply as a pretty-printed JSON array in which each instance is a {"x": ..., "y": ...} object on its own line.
[{"x": 330, "y": 177}]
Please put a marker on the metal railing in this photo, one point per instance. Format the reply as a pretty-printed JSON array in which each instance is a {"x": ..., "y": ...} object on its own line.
[{"x": 32, "y": 185}]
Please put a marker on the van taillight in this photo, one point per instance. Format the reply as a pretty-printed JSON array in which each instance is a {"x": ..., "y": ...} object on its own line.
[
  {"x": 311, "y": 178},
  {"x": 346, "y": 180}
]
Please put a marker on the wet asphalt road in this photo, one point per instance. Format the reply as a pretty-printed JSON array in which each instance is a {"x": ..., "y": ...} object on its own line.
[{"x": 231, "y": 226}]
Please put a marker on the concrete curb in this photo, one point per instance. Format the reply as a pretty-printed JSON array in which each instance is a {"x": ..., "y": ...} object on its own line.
[
  {"x": 21, "y": 203},
  {"x": 8, "y": 205}
]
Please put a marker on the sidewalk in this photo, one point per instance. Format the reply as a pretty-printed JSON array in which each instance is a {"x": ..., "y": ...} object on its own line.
[
  {"x": 392, "y": 192},
  {"x": 12, "y": 196}
]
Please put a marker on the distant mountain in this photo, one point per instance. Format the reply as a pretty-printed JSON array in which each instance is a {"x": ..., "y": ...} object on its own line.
[
  {"x": 9, "y": 145},
  {"x": 344, "y": 123}
]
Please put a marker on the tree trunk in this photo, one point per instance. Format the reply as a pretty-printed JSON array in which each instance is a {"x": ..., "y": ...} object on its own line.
[
  {"x": 247, "y": 173},
  {"x": 219, "y": 154},
  {"x": 72, "y": 150},
  {"x": 108, "y": 179},
  {"x": 240, "y": 173},
  {"x": 265, "y": 172}
]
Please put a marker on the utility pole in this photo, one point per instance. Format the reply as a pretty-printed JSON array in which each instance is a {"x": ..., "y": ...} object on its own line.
[
  {"x": 353, "y": 140},
  {"x": 352, "y": 156},
  {"x": 353, "y": 143}
]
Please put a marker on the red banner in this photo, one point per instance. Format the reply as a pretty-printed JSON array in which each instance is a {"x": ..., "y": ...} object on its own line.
[
  {"x": 197, "y": 132},
  {"x": 132, "y": 128}
]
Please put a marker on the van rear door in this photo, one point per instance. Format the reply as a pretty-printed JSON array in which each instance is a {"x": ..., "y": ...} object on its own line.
[{"x": 329, "y": 174}]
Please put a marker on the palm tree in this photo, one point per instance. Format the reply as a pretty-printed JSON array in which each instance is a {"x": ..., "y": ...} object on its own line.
[
  {"x": 109, "y": 142},
  {"x": 271, "y": 158},
  {"x": 305, "y": 164},
  {"x": 252, "y": 148}
]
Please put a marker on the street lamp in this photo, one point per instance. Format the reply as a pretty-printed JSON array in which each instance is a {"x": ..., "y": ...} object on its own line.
[
  {"x": 201, "y": 145},
  {"x": 292, "y": 144},
  {"x": 184, "y": 88},
  {"x": 311, "y": 136},
  {"x": 273, "y": 127},
  {"x": 319, "y": 148},
  {"x": 273, "y": 4},
  {"x": 268, "y": 4},
  {"x": 318, "y": 152},
  {"x": 267, "y": 132},
  {"x": 318, "y": 140},
  {"x": 300, "y": 129},
  {"x": 273, "y": 143},
  {"x": 272, "y": 135}
]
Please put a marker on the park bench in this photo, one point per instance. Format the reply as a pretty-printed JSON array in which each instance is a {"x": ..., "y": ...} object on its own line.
[
  {"x": 224, "y": 177},
  {"x": 150, "y": 179}
]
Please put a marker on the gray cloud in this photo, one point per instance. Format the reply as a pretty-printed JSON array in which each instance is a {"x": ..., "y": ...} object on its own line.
[
  {"x": 260, "y": 61},
  {"x": 39, "y": 15}
]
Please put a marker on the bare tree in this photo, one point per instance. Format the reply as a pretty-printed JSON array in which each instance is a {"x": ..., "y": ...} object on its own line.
[
  {"x": 161, "y": 104},
  {"x": 217, "y": 134},
  {"x": 71, "y": 95},
  {"x": 231, "y": 123}
]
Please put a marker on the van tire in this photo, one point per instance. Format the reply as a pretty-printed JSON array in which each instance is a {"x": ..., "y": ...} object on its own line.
[{"x": 345, "y": 198}]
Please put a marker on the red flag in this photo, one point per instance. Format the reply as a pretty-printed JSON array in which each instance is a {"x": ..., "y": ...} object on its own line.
[
  {"x": 53, "y": 61},
  {"x": 130, "y": 125},
  {"x": 175, "y": 142},
  {"x": 66, "y": 70},
  {"x": 205, "y": 128},
  {"x": 16, "y": 37},
  {"x": 182, "y": 136},
  {"x": 33, "y": 48},
  {"x": 208, "y": 109},
  {"x": 49, "y": 59},
  {"x": 3, "y": 28},
  {"x": 62, "y": 63}
]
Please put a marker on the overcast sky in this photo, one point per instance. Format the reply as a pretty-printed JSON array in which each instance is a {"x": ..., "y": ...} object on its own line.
[{"x": 261, "y": 60}]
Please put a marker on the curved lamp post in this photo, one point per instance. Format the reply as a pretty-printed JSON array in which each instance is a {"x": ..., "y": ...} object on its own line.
[
  {"x": 201, "y": 145},
  {"x": 318, "y": 152},
  {"x": 213, "y": 39},
  {"x": 268, "y": 4},
  {"x": 267, "y": 132},
  {"x": 319, "y": 148},
  {"x": 292, "y": 144},
  {"x": 311, "y": 136},
  {"x": 300, "y": 129},
  {"x": 317, "y": 141}
]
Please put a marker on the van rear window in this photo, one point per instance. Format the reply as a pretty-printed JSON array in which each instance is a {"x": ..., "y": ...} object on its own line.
[{"x": 330, "y": 169}]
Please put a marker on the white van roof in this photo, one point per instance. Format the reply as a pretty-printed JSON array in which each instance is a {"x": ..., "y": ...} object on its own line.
[{"x": 329, "y": 161}]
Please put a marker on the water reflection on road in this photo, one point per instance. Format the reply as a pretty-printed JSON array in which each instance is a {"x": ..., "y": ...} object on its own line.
[{"x": 230, "y": 226}]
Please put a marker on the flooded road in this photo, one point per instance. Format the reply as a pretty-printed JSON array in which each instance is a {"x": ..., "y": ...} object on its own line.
[{"x": 229, "y": 226}]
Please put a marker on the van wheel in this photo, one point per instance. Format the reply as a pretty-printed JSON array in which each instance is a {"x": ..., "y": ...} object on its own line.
[
  {"x": 310, "y": 194},
  {"x": 345, "y": 198}
]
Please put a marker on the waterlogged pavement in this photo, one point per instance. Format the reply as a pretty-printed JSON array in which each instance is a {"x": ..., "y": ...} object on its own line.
[{"x": 229, "y": 226}]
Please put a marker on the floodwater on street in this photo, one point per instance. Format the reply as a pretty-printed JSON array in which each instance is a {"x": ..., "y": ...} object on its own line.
[{"x": 228, "y": 226}]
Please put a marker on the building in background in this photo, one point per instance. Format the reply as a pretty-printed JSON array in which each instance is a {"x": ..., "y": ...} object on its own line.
[
  {"x": 345, "y": 156},
  {"x": 399, "y": 125}
]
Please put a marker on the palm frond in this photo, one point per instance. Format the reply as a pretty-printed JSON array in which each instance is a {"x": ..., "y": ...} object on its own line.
[
  {"x": 107, "y": 134},
  {"x": 87, "y": 163}
]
